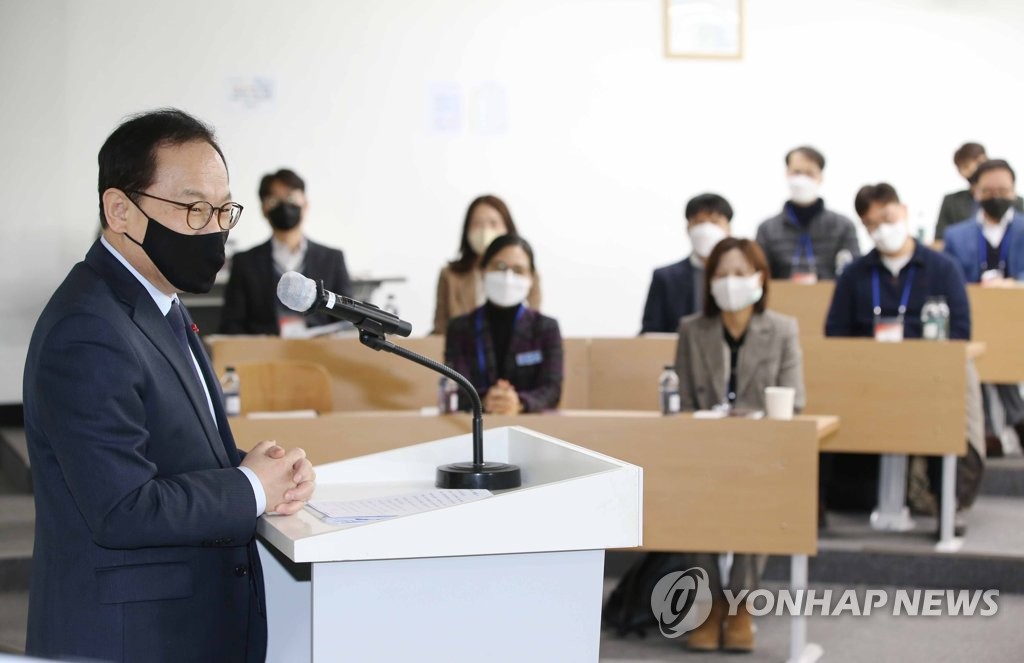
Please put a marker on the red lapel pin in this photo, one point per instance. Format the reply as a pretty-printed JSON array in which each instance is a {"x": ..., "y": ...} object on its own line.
[{"x": 195, "y": 328}]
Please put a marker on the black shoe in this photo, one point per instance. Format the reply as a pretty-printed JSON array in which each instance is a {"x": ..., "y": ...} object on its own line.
[{"x": 994, "y": 446}]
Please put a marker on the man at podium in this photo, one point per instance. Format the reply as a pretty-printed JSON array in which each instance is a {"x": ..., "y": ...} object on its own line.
[{"x": 145, "y": 509}]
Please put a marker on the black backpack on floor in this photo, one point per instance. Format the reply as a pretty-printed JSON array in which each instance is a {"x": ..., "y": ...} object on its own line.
[{"x": 628, "y": 608}]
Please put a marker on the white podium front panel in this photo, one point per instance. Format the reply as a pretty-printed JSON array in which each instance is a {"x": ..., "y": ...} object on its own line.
[{"x": 495, "y": 608}]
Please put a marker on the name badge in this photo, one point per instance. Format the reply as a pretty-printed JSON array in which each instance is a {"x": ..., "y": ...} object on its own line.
[
  {"x": 804, "y": 278},
  {"x": 531, "y": 358},
  {"x": 889, "y": 330},
  {"x": 292, "y": 326}
]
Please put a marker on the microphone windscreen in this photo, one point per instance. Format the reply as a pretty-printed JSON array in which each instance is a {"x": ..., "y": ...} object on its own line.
[{"x": 296, "y": 291}]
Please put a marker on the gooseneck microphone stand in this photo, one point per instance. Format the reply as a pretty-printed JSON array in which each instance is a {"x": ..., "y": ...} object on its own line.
[{"x": 477, "y": 474}]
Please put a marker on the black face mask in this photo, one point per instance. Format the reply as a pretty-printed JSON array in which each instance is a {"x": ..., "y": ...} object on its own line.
[
  {"x": 996, "y": 208},
  {"x": 285, "y": 216},
  {"x": 189, "y": 262}
]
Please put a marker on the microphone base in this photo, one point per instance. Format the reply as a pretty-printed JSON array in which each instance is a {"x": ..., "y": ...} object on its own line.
[{"x": 485, "y": 476}]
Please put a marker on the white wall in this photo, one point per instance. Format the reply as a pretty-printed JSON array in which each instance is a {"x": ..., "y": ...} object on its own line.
[{"x": 569, "y": 112}]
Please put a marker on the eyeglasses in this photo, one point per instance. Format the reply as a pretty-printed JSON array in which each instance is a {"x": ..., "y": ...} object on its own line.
[
  {"x": 502, "y": 266},
  {"x": 199, "y": 214}
]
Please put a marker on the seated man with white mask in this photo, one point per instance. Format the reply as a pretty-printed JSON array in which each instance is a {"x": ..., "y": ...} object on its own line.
[
  {"x": 881, "y": 295},
  {"x": 806, "y": 242},
  {"x": 677, "y": 290},
  {"x": 511, "y": 353}
]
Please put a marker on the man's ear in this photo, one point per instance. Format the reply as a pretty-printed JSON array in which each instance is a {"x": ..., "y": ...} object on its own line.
[{"x": 116, "y": 208}]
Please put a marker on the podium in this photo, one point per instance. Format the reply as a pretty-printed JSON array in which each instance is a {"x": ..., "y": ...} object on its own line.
[{"x": 515, "y": 576}]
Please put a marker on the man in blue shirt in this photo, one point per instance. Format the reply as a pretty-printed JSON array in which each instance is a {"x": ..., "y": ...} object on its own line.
[
  {"x": 990, "y": 248},
  {"x": 881, "y": 294}
]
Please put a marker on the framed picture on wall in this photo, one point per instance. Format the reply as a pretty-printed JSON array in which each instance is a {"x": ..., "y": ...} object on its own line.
[{"x": 704, "y": 29}]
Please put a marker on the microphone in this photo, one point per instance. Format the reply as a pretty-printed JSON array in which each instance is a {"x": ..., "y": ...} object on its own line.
[{"x": 307, "y": 296}]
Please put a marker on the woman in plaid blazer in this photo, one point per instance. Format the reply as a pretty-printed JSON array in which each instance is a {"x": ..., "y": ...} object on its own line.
[{"x": 511, "y": 353}]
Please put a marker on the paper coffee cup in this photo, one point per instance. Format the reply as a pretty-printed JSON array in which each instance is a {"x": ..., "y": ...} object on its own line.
[{"x": 778, "y": 402}]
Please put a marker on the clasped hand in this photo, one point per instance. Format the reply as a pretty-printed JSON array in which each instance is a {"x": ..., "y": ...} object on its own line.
[
  {"x": 502, "y": 398},
  {"x": 287, "y": 476}
]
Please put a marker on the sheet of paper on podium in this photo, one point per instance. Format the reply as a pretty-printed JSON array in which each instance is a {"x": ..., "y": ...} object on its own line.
[{"x": 356, "y": 512}]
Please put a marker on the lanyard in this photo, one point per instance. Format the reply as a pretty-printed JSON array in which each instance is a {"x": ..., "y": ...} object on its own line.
[
  {"x": 805, "y": 246},
  {"x": 481, "y": 357},
  {"x": 1004, "y": 250},
  {"x": 877, "y": 299}
]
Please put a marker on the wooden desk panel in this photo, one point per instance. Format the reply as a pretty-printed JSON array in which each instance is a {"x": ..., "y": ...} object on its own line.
[
  {"x": 997, "y": 319},
  {"x": 361, "y": 378},
  {"x": 576, "y": 382},
  {"x": 807, "y": 303},
  {"x": 735, "y": 484},
  {"x": 891, "y": 397},
  {"x": 365, "y": 380},
  {"x": 624, "y": 371}
]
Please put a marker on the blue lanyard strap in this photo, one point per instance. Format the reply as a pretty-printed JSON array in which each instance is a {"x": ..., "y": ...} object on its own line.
[
  {"x": 805, "y": 246},
  {"x": 481, "y": 356},
  {"x": 876, "y": 291},
  {"x": 1004, "y": 250}
]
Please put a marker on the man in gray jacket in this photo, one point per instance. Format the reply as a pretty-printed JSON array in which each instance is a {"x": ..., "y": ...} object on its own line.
[{"x": 806, "y": 242}]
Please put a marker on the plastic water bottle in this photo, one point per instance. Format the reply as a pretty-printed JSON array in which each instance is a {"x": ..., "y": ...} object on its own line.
[
  {"x": 447, "y": 396},
  {"x": 668, "y": 389},
  {"x": 935, "y": 319},
  {"x": 231, "y": 386}
]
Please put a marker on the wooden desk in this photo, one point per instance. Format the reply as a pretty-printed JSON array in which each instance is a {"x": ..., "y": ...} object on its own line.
[
  {"x": 709, "y": 485},
  {"x": 624, "y": 371},
  {"x": 361, "y": 378},
  {"x": 891, "y": 397},
  {"x": 997, "y": 319},
  {"x": 807, "y": 303}
]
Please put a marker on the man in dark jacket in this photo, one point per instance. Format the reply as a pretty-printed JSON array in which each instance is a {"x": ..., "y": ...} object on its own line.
[
  {"x": 250, "y": 302},
  {"x": 677, "y": 290},
  {"x": 145, "y": 509},
  {"x": 806, "y": 242}
]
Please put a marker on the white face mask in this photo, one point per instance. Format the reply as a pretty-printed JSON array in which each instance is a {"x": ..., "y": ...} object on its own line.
[
  {"x": 481, "y": 238},
  {"x": 803, "y": 189},
  {"x": 735, "y": 293},
  {"x": 704, "y": 236},
  {"x": 890, "y": 237},
  {"x": 506, "y": 288}
]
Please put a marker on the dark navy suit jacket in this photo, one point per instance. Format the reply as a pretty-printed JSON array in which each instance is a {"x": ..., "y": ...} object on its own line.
[
  {"x": 671, "y": 297},
  {"x": 963, "y": 244},
  {"x": 144, "y": 541},
  {"x": 935, "y": 275},
  {"x": 250, "y": 299}
]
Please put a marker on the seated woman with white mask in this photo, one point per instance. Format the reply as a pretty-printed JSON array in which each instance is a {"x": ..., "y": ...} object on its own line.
[
  {"x": 511, "y": 353},
  {"x": 727, "y": 356},
  {"x": 460, "y": 283}
]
